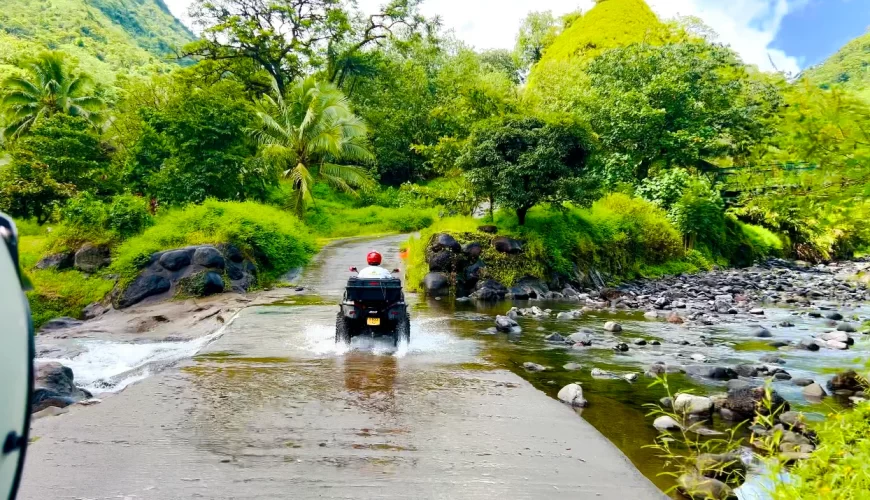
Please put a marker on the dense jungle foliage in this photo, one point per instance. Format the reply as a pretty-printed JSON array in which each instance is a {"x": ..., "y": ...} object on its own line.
[{"x": 116, "y": 119}]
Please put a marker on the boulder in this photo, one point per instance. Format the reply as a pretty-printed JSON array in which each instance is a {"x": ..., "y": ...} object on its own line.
[
  {"x": 572, "y": 366},
  {"x": 836, "y": 345},
  {"x": 534, "y": 367},
  {"x": 489, "y": 291},
  {"x": 834, "y": 316},
  {"x": 91, "y": 258},
  {"x": 761, "y": 332},
  {"x": 436, "y": 285},
  {"x": 712, "y": 372},
  {"x": 231, "y": 252},
  {"x": 640, "y": 342},
  {"x": 572, "y": 394},
  {"x": 61, "y": 323},
  {"x": 698, "y": 487},
  {"x": 747, "y": 370},
  {"x": 802, "y": 382},
  {"x": 529, "y": 288},
  {"x": 691, "y": 405},
  {"x": 808, "y": 344},
  {"x": 444, "y": 241},
  {"x": 507, "y": 245},
  {"x": 661, "y": 368},
  {"x": 175, "y": 260},
  {"x": 582, "y": 337},
  {"x": 143, "y": 287},
  {"x": 53, "y": 385},
  {"x": 442, "y": 261},
  {"x": 201, "y": 284},
  {"x": 848, "y": 380},
  {"x": 57, "y": 261},
  {"x": 737, "y": 383},
  {"x": 505, "y": 324},
  {"x": 757, "y": 311},
  {"x": 675, "y": 318},
  {"x": 846, "y": 327},
  {"x": 651, "y": 315},
  {"x": 666, "y": 423},
  {"x": 630, "y": 377},
  {"x": 793, "y": 420},
  {"x": 743, "y": 403},
  {"x": 489, "y": 229},
  {"x": 772, "y": 359},
  {"x": 814, "y": 392},
  {"x": 555, "y": 337},
  {"x": 93, "y": 310},
  {"x": 208, "y": 256},
  {"x": 722, "y": 307},
  {"x": 721, "y": 466},
  {"x": 599, "y": 373},
  {"x": 473, "y": 250},
  {"x": 837, "y": 337},
  {"x": 612, "y": 326},
  {"x": 621, "y": 347}
]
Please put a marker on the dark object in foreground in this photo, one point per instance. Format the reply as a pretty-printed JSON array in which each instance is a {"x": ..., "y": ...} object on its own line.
[{"x": 373, "y": 307}]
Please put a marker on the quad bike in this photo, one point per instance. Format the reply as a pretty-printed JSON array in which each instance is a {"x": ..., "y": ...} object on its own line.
[{"x": 373, "y": 307}]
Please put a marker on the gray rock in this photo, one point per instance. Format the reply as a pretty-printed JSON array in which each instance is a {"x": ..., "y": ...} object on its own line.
[
  {"x": 61, "y": 323},
  {"x": 212, "y": 284},
  {"x": 489, "y": 291},
  {"x": 534, "y": 367},
  {"x": 793, "y": 420},
  {"x": 836, "y": 345},
  {"x": 144, "y": 286},
  {"x": 437, "y": 285},
  {"x": 833, "y": 315},
  {"x": 507, "y": 245},
  {"x": 782, "y": 376},
  {"x": 661, "y": 368},
  {"x": 444, "y": 241},
  {"x": 761, "y": 332},
  {"x": 442, "y": 261},
  {"x": 814, "y": 392},
  {"x": 808, "y": 344},
  {"x": 599, "y": 373},
  {"x": 555, "y": 337},
  {"x": 848, "y": 380},
  {"x": 688, "y": 404},
  {"x": 747, "y": 370},
  {"x": 722, "y": 307},
  {"x": 698, "y": 487},
  {"x": 53, "y": 385},
  {"x": 505, "y": 324},
  {"x": 175, "y": 260},
  {"x": 712, "y": 372},
  {"x": 651, "y": 315},
  {"x": 93, "y": 310},
  {"x": 639, "y": 342},
  {"x": 802, "y": 382},
  {"x": 473, "y": 250},
  {"x": 744, "y": 403},
  {"x": 90, "y": 258},
  {"x": 837, "y": 337},
  {"x": 786, "y": 324},
  {"x": 666, "y": 423},
  {"x": 630, "y": 377},
  {"x": 572, "y": 394},
  {"x": 582, "y": 337},
  {"x": 572, "y": 366},
  {"x": 621, "y": 347},
  {"x": 757, "y": 310},
  {"x": 612, "y": 326},
  {"x": 773, "y": 359},
  {"x": 57, "y": 261},
  {"x": 737, "y": 384},
  {"x": 846, "y": 327},
  {"x": 722, "y": 466},
  {"x": 208, "y": 256},
  {"x": 666, "y": 402}
]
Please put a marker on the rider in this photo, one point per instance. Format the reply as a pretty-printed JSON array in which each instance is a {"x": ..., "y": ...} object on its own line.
[{"x": 374, "y": 270}]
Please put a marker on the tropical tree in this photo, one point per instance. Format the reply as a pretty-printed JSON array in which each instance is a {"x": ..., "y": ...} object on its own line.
[
  {"x": 49, "y": 87},
  {"x": 312, "y": 133}
]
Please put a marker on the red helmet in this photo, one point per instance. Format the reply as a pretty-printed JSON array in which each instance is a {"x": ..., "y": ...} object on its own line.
[{"x": 373, "y": 258}]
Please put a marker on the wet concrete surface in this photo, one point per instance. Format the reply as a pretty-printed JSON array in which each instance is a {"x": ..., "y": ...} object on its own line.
[{"x": 274, "y": 409}]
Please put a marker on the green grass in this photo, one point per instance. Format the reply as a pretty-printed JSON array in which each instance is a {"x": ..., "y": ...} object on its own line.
[
  {"x": 337, "y": 215},
  {"x": 55, "y": 293},
  {"x": 276, "y": 240},
  {"x": 837, "y": 469}
]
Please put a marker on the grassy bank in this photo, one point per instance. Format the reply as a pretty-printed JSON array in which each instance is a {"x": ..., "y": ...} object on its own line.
[{"x": 618, "y": 235}]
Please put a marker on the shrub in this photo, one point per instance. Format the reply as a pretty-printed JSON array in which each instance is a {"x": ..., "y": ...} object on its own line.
[
  {"x": 665, "y": 188},
  {"x": 128, "y": 215},
  {"x": 699, "y": 215},
  {"x": 84, "y": 211},
  {"x": 277, "y": 241}
]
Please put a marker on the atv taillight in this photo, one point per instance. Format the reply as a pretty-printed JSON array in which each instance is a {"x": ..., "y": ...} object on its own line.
[{"x": 374, "y": 283}]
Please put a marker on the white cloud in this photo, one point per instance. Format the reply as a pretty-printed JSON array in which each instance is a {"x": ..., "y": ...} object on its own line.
[{"x": 748, "y": 26}]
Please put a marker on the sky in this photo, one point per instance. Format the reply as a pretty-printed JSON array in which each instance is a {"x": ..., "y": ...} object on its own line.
[{"x": 784, "y": 35}]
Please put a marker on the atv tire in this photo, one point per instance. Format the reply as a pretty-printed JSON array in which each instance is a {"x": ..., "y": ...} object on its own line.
[
  {"x": 342, "y": 329},
  {"x": 403, "y": 330}
]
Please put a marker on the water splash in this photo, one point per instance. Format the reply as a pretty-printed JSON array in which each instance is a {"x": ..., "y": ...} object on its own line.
[{"x": 107, "y": 366}]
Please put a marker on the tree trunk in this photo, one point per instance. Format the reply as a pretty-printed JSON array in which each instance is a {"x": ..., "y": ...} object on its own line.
[
  {"x": 521, "y": 215},
  {"x": 492, "y": 208}
]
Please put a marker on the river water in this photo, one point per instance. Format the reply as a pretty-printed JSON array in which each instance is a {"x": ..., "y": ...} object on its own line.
[{"x": 276, "y": 363}]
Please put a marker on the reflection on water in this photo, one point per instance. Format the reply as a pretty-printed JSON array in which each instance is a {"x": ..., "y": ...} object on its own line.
[{"x": 370, "y": 380}]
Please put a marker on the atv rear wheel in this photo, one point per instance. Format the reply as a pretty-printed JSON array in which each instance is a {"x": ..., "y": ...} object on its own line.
[
  {"x": 342, "y": 329},
  {"x": 403, "y": 329}
]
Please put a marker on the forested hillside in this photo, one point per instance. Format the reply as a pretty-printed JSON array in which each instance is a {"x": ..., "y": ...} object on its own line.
[
  {"x": 849, "y": 68},
  {"x": 107, "y": 37}
]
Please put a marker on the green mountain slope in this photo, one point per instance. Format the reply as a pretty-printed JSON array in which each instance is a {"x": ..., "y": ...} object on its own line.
[
  {"x": 849, "y": 68},
  {"x": 610, "y": 24},
  {"x": 107, "y": 37}
]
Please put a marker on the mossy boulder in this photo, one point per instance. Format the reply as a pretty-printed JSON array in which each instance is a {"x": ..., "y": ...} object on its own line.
[{"x": 201, "y": 284}]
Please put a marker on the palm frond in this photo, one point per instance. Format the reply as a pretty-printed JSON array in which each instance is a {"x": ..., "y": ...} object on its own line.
[{"x": 354, "y": 176}]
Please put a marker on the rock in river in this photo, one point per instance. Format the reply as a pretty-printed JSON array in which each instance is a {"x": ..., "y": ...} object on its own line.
[
  {"x": 666, "y": 423},
  {"x": 534, "y": 367},
  {"x": 572, "y": 394},
  {"x": 743, "y": 403},
  {"x": 720, "y": 465},
  {"x": 505, "y": 324},
  {"x": 613, "y": 326},
  {"x": 846, "y": 327},
  {"x": 761, "y": 332},
  {"x": 814, "y": 392},
  {"x": 437, "y": 285},
  {"x": 848, "y": 380},
  {"x": 688, "y": 404},
  {"x": 698, "y": 487},
  {"x": 712, "y": 372},
  {"x": 54, "y": 385}
]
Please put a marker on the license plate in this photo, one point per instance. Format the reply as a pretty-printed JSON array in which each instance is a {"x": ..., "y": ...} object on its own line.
[{"x": 373, "y": 321}]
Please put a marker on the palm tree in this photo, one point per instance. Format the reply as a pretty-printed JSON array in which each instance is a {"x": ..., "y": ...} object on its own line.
[
  {"x": 47, "y": 89},
  {"x": 310, "y": 133}
]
